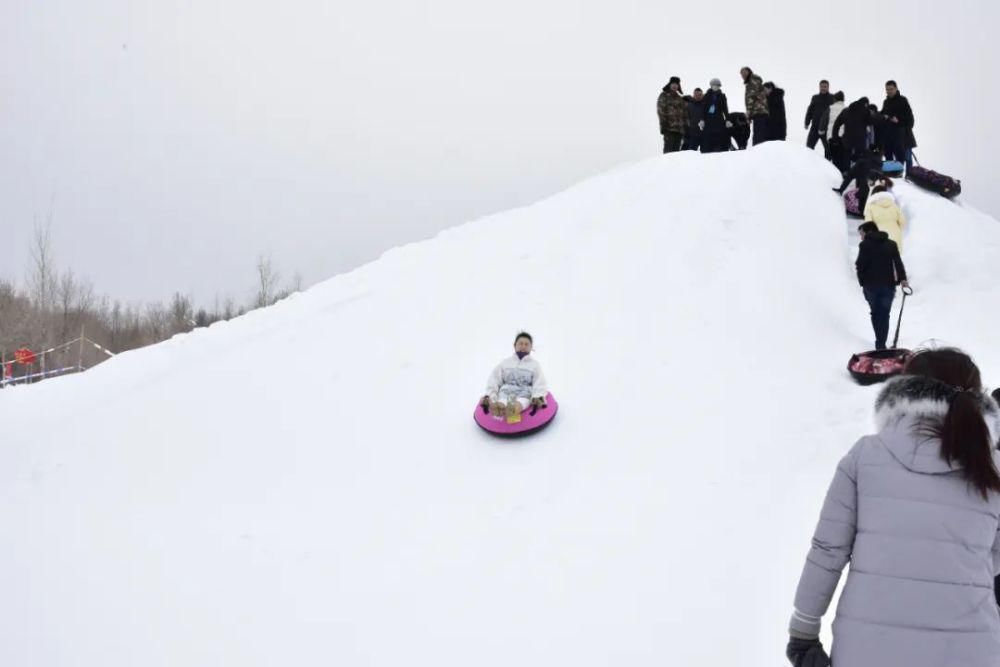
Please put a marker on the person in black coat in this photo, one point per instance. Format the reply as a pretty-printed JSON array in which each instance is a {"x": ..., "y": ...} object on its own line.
[
  {"x": 866, "y": 169},
  {"x": 880, "y": 269},
  {"x": 898, "y": 126},
  {"x": 696, "y": 114},
  {"x": 739, "y": 129},
  {"x": 777, "y": 126},
  {"x": 855, "y": 120},
  {"x": 820, "y": 102},
  {"x": 716, "y": 124},
  {"x": 875, "y": 128}
]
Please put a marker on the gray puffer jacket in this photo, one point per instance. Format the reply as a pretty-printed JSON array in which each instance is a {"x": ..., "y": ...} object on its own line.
[{"x": 923, "y": 547}]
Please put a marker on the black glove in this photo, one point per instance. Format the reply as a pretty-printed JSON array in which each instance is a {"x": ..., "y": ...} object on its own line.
[
  {"x": 485, "y": 403},
  {"x": 806, "y": 653}
]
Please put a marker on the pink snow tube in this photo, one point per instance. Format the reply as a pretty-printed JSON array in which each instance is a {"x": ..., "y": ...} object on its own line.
[{"x": 533, "y": 419}]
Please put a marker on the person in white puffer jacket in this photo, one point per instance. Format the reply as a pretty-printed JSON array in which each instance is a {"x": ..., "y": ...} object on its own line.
[{"x": 516, "y": 382}]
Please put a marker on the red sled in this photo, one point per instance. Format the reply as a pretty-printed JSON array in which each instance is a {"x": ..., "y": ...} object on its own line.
[{"x": 876, "y": 366}]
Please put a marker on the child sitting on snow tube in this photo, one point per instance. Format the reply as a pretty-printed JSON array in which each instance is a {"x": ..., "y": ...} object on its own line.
[{"x": 516, "y": 382}]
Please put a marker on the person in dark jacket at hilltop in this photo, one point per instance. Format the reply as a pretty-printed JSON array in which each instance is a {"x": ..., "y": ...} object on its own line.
[
  {"x": 756, "y": 104},
  {"x": 715, "y": 125},
  {"x": 875, "y": 128},
  {"x": 672, "y": 110},
  {"x": 819, "y": 103},
  {"x": 739, "y": 130},
  {"x": 866, "y": 169},
  {"x": 855, "y": 120},
  {"x": 777, "y": 126},
  {"x": 897, "y": 129},
  {"x": 880, "y": 269},
  {"x": 696, "y": 116}
]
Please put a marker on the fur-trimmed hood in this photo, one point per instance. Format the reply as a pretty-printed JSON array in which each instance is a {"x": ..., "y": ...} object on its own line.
[
  {"x": 884, "y": 199},
  {"x": 906, "y": 399}
]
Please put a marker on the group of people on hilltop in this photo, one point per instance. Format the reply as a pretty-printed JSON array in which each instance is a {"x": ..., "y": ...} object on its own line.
[
  {"x": 703, "y": 122},
  {"x": 848, "y": 131}
]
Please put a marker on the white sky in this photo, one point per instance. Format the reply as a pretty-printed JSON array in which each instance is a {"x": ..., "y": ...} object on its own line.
[{"x": 175, "y": 141}]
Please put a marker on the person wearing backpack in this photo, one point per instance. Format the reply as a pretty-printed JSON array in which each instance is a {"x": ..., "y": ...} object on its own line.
[
  {"x": 883, "y": 210},
  {"x": 756, "y": 104},
  {"x": 672, "y": 111},
  {"x": 898, "y": 126},
  {"x": 777, "y": 126},
  {"x": 819, "y": 104},
  {"x": 716, "y": 124},
  {"x": 914, "y": 509}
]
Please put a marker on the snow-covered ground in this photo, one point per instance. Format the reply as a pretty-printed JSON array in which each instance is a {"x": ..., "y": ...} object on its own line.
[{"x": 305, "y": 485}]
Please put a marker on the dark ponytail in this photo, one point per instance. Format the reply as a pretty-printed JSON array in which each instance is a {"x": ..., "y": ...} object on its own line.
[{"x": 965, "y": 437}]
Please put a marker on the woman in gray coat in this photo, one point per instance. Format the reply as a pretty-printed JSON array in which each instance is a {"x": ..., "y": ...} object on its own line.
[{"x": 915, "y": 509}]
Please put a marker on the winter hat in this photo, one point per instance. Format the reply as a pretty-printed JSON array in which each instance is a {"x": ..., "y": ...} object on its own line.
[
  {"x": 673, "y": 80},
  {"x": 715, "y": 82}
]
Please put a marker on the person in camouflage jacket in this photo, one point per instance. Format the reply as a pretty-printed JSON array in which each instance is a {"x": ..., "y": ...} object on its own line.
[
  {"x": 673, "y": 113},
  {"x": 756, "y": 103}
]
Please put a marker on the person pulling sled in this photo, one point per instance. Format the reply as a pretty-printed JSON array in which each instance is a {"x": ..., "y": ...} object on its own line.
[{"x": 880, "y": 269}]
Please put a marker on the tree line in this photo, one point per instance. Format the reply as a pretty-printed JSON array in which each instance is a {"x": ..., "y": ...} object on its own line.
[{"x": 54, "y": 306}]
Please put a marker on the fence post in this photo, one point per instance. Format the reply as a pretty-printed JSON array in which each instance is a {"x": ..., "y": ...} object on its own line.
[{"x": 79, "y": 364}]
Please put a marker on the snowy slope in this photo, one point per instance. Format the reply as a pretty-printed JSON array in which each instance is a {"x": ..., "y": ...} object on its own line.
[{"x": 305, "y": 485}]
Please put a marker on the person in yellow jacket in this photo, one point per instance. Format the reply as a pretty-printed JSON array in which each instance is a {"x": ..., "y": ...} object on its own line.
[{"x": 883, "y": 210}]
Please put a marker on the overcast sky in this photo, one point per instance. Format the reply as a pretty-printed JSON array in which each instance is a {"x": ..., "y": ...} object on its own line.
[{"x": 173, "y": 142}]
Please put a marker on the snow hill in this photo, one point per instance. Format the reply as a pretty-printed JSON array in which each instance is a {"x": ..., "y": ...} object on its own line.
[{"x": 305, "y": 485}]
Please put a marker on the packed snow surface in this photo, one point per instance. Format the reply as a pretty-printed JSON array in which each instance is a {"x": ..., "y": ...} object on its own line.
[{"x": 305, "y": 485}]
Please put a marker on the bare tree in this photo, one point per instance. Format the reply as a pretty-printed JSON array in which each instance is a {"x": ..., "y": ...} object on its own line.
[
  {"x": 181, "y": 313},
  {"x": 267, "y": 282},
  {"x": 42, "y": 274},
  {"x": 157, "y": 323},
  {"x": 229, "y": 309},
  {"x": 67, "y": 294}
]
